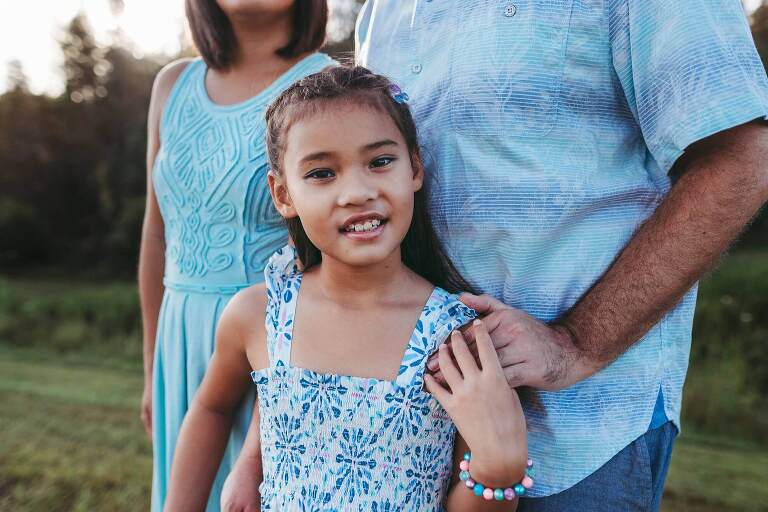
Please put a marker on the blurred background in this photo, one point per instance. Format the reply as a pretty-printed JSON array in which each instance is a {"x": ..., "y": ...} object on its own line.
[{"x": 73, "y": 109}]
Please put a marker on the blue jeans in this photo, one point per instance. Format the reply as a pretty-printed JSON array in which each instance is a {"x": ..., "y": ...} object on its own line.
[{"x": 633, "y": 480}]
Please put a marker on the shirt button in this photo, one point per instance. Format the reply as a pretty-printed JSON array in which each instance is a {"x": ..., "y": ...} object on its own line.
[
  {"x": 416, "y": 69},
  {"x": 510, "y": 10}
]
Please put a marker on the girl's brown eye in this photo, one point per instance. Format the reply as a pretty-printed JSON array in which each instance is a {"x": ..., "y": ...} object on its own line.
[
  {"x": 319, "y": 174},
  {"x": 382, "y": 161}
]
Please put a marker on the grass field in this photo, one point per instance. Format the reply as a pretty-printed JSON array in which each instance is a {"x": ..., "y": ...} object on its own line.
[
  {"x": 72, "y": 441},
  {"x": 71, "y": 381}
]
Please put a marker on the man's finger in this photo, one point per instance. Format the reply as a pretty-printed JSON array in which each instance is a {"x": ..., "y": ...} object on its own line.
[
  {"x": 483, "y": 304},
  {"x": 515, "y": 375}
]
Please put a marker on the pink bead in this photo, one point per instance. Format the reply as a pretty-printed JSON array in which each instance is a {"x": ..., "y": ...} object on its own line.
[
  {"x": 527, "y": 482},
  {"x": 509, "y": 494},
  {"x": 488, "y": 493},
  {"x": 464, "y": 465},
  {"x": 530, "y": 463},
  {"x": 469, "y": 483}
]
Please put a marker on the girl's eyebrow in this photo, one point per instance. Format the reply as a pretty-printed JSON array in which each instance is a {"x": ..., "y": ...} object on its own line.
[
  {"x": 376, "y": 145},
  {"x": 321, "y": 155}
]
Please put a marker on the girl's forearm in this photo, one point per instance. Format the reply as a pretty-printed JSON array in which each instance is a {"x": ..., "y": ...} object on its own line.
[
  {"x": 461, "y": 499},
  {"x": 199, "y": 449},
  {"x": 500, "y": 475}
]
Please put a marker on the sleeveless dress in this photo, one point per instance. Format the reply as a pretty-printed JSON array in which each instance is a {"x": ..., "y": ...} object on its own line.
[
  {"x": 220, "y": 228},
  {"x": 343, "y": 443}
]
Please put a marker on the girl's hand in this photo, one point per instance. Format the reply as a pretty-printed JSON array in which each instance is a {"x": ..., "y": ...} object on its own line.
[
  {"x": 241, "y": 489},
  {"x": 486, "y": 411}
]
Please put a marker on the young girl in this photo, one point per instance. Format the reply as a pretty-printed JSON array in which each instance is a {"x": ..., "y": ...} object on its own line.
[
  {"x": 210, "y": 225},
  {"x": 351, "y": 315}
]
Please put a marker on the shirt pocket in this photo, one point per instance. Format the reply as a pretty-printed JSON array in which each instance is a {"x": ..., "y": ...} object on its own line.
[{"x": 507, "y": 67}]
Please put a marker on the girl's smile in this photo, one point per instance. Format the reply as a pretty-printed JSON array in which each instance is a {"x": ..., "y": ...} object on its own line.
[{"x": 352, "y": 186}]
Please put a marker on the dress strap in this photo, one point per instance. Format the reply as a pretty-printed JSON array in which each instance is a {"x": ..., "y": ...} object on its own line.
[
  {"x": 442, "y": 313},
  {"x": 282, "y": 279}
]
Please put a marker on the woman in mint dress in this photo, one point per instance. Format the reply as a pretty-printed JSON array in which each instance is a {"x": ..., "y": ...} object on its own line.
[{"x": 210, "y": 226}]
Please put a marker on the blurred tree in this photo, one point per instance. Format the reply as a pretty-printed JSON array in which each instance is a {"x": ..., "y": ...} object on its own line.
[
  {"x": 17, "y": 79},
  {"x": 84, "y": 65}
]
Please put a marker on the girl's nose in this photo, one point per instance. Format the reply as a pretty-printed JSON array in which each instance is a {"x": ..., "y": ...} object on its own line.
[{"x": 358, "y": 189}]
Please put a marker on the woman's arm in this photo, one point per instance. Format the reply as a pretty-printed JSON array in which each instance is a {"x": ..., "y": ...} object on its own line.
[
  {"x": 489, "y": 419},
  {"x": 152, "y": 251},
  {"x": 208, "y": 422}
]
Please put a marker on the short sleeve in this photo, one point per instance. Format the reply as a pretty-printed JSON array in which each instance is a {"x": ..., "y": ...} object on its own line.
[{"x": 689, "y": 69}]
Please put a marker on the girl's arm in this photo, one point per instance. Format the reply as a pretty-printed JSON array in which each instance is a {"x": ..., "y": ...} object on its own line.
[
  {"x": 208, "y": 422},
  {"x": 241, "y": 489},
  {"x": 152, "y": 250},
  {"x": 489, "y": 419}
]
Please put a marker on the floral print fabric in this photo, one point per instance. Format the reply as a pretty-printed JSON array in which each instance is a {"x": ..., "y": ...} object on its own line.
[{"x": 343, "y": 443}]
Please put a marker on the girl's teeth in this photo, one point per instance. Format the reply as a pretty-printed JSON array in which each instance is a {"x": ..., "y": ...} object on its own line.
[{"x": 366, "y": 226}]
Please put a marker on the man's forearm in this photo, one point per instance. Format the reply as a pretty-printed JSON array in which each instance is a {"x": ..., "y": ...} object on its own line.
[{"x": 725, "y": 181}]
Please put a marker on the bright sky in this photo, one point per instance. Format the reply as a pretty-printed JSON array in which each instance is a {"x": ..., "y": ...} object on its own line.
[{"x": 29, "y": 30}]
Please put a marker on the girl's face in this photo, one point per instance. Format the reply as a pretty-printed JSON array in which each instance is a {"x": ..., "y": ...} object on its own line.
[{"x": 348, "y": 177}]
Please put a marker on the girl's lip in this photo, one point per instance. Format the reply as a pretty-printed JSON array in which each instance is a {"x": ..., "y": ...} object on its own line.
[{"x": 365, "y": 235}]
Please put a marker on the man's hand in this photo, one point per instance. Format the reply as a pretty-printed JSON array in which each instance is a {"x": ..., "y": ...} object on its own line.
[{"x": 531, "y": 352}]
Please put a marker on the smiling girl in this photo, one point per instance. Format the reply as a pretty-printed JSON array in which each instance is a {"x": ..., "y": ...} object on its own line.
[{"x": 341, "y": 330}]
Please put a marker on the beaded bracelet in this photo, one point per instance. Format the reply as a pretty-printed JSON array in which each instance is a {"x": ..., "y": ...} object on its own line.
[{"x": 498, "y": 494}]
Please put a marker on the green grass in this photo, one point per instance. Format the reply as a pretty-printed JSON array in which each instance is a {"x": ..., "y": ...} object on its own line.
[
  {"x": 71, "y": 381},
  {"x": 72, "y": 441},
  {"x": 71, "y": 437},
  {"x": 711, "y": 475}
]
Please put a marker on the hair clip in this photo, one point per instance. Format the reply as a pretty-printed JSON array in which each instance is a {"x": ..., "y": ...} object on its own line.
[{"x": 399, "y": 95}]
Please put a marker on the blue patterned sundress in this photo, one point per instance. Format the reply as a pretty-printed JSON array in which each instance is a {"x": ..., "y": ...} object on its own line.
[{"x": 343, "y": 443}]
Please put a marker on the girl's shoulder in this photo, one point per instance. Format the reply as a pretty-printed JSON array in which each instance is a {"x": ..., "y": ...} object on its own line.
[
  {"x": 241, "y": 324},
  {"x": 247, "y": 308}
]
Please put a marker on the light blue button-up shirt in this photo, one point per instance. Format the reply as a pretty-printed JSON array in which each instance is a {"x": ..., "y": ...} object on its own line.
[{"x": 549, "y": 128}]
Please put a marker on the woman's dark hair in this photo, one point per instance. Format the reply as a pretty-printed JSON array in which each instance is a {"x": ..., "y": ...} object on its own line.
[
  {"x": 420, "y": 250},
  {"x": 215, "y": 40}
]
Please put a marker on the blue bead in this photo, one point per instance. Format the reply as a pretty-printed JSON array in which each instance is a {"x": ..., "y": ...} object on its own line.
[
  {"x": 530, "y": 472},
  {"x": 467, "y": 456},
  {"x": 519, "y": 489},
  {"x": 464, "y": 476},
  {"x": 478, "y": 489},
  {"x": 498, "y": 494}
]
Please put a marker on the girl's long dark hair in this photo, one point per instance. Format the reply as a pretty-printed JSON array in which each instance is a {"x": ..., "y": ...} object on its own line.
[{"x": 421, "y": 251}]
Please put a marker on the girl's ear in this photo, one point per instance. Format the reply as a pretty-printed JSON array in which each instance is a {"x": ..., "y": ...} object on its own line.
[
  {"x": 418, "y": 172},
  {"x": 280, "y": 196}
]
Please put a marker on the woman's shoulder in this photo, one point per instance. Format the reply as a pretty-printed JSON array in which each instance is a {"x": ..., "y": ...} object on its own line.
[
  {"x": 168, "y": 74},
  {"x": 165, "y": 79}
]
